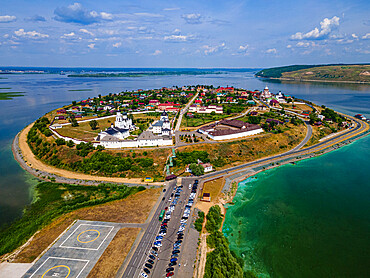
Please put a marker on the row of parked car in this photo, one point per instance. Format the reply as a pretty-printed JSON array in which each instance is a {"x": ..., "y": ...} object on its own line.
[
  {"x": 162, "y": 232},
  {"x": 180, "y": 232}
]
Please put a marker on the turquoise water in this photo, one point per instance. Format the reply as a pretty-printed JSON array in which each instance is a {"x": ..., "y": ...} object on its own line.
[{"x": 306, "y": 220}]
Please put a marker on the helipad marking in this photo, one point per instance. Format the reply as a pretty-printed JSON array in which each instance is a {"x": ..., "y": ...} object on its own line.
[
  {"x": 69, "y": 270},
  {"x": 111, "y": 229},
  {"x": 91, "y": 230},
  {"x": 61, "y": 258}
]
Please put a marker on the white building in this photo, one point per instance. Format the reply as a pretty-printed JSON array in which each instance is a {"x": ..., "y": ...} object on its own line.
[
  {"x": 162, "y": 126},
  {"x": 115, "y": 136},
  {"x": 230, "y": 129},
  {"x": 207, "y": 110},
  {"x": 266, "y": 93},
  {"x": 280, "y": 98},
  {"x": 121, "y": 129}
]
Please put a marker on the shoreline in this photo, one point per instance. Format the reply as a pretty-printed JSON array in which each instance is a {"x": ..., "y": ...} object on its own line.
[
  {"x": 27, "y": 160},
  {"x": 315, "y": 80}
]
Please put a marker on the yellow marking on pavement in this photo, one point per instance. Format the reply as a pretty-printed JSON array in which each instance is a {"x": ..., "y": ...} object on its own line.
[
  {"x": 78, "y": 237},
  {"x": 64, "y": 266}
]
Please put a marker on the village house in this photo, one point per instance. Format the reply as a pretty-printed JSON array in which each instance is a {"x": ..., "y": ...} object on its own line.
[{"x": 206, "y": 110}]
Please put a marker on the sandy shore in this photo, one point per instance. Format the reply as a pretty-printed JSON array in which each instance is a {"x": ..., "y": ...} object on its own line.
[{"x": 29, "y": 162}]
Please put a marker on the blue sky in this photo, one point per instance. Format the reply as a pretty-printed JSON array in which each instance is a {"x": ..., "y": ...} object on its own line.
[{"x": 170, "y": 33}]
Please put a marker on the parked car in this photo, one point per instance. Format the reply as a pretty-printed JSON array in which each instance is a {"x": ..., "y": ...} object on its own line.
[
  {"x": 151, "y": 256},
  {"x": 150, "y": 261},
  {"x": 169, "y": 269},
  {"x": 159, "y": 237},
  {"x": 175, "y": 251},
  {"x": 148, "y": 266},
  {"x": 169, "y": 274},
  {"x": 173, "y": 260},
  {"x": 146, "y": 270},
  {"x": 154, "y": 253},
  {"x": 174, "y": 256},
  {"x": 142, "y": 274},
  {"x": 172, "y": 263}
]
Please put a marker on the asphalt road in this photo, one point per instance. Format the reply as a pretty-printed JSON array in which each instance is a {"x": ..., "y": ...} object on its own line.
[
  {"x": 140, "y": 256},
  {"x": 165, "y": 251},
  {"x": 141, "y": 253},
  {"x": 183, "y": 111},
  {"x": 359, "y": 126}
]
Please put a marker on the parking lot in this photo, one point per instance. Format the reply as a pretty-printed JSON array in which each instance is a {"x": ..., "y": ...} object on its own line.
[
  {"x": 164, "y": 252},
  {"x": 76, "y": 252}
]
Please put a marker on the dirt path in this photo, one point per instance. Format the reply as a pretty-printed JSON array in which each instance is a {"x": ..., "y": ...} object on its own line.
[{"x": 30, "y": 160}]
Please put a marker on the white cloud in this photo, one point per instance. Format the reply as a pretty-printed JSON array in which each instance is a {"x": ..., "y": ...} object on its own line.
[
  {"x": 208, "y": 49},
  {"x": 157, "y": 52},
  {"x": 303, "y": 44},
  {"x": 176, "y": 31},
  {"x": 192, "y": 18},
  {"x": 117, "y": 44},
  {"x": 289, "y": 46},
  {"x": 179, "y": 38},
  {"x": 171, "y": 9},
  {"x": 243, "y": 48},
  {"x": 106, "y": 16},
  {"x": 86, "y": 32},
  {"x": 91, "y": 45},
  {"x": 70, "y": 35},
  {"x": 354, "y": 36},
  {"x": 326, "y": 26},
  {"x": 75, "y": 13},
  {"x": 271, "y": 51},
  {"x": 366, "y": 37},
  {"x": 148, "y": 14},
  {"x": 30, "y": 34},
  {"x": 7, "y": 18}
]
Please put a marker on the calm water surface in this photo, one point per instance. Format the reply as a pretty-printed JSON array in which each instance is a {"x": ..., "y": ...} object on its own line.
[
  {"x": 289, "y": 228},
  {"x": 306, "y": 220}
]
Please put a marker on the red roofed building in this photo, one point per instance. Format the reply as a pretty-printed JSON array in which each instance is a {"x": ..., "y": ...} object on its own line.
[{"x": 154, "y": 101}]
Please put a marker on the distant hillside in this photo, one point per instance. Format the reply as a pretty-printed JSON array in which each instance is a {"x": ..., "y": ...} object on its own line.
[{"x": 333, "y": 73}]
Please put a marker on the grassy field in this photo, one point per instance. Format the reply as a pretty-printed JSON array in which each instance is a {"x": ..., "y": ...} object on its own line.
[
  {"x": 214, "y": 187},
  {"x": 231, "y": 153},
  {"x": 204, "y": 119},
  {"x": 84, "y": 131},
  {"x": 106, "y": 267},
  {"x": 355, "y": 73},
  {"x": 317, "y": 134},
  {"x": 133, "y": 209}
]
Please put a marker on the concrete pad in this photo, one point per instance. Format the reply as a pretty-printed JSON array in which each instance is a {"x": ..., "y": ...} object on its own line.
[
  {"x": 13, "y": 270},
  {"x": 76, "y": 252}
]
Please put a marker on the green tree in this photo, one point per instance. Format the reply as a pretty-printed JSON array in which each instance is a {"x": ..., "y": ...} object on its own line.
[
  {"x": 93, "y": 124},
  {"x": 196, "y": 169}
]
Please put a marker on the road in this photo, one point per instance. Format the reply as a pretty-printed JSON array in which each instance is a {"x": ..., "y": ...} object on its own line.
[
  {"x": 360, "y": 126},
  {"x": 166, "y": 250},
  {"x": 183, "y": 111},
  {"x": 135, "y": 265}
]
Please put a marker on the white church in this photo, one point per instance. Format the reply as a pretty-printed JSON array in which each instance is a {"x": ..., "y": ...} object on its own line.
[
  {"x": 120, "y": 130},
  {"x": 159, "y": 134},
  {"x": 162, "y": 126}
]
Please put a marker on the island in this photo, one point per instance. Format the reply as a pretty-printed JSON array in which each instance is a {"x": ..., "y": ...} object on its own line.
[{"x": 119, "y": 170}]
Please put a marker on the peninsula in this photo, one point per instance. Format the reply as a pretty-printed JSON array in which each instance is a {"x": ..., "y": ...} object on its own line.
[{"x": 359, "y": 73}]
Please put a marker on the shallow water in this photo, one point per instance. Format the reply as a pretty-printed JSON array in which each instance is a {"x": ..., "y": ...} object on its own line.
[{"x": 306, "y": 220}]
